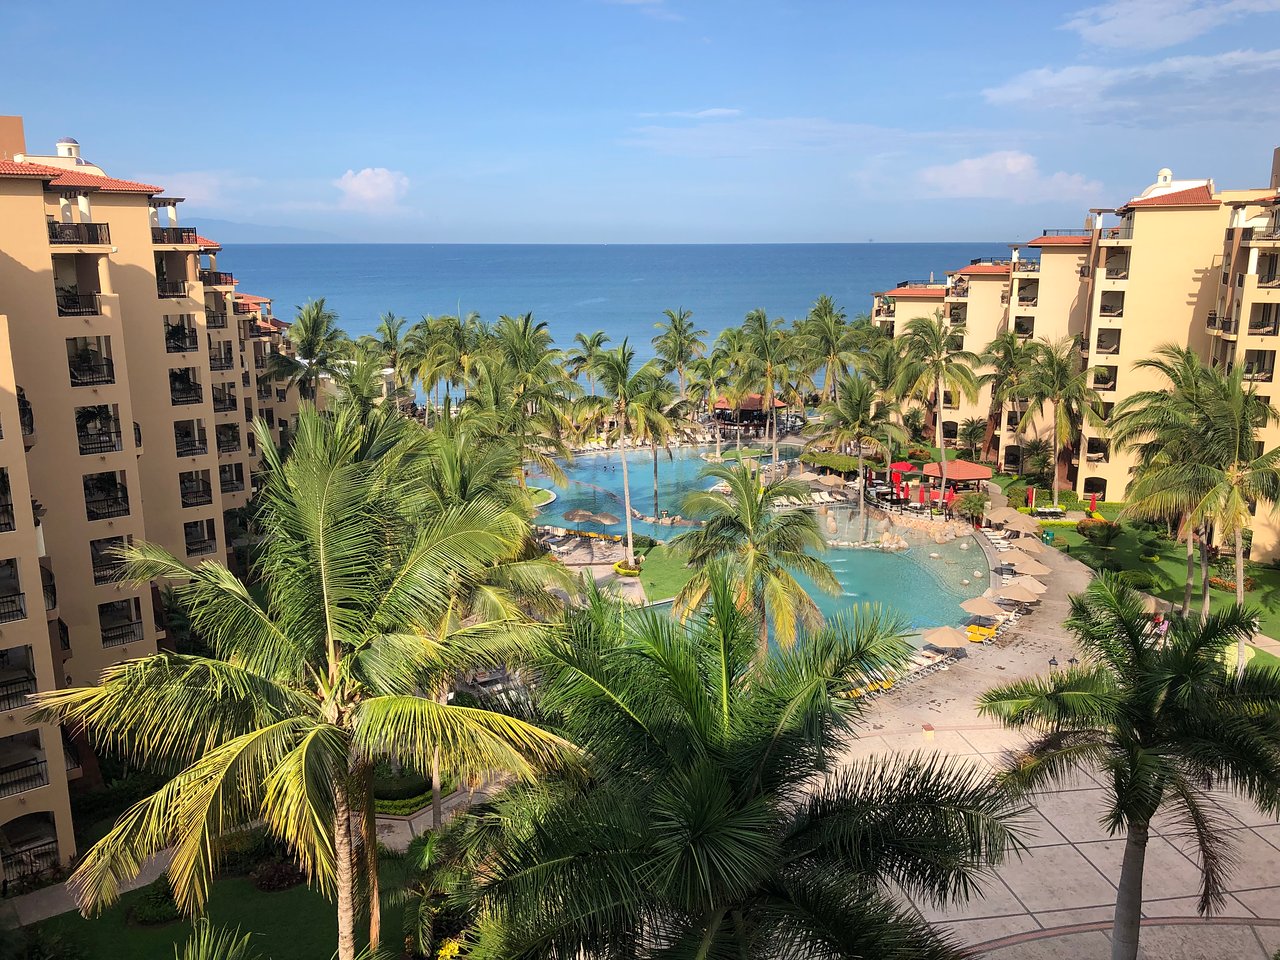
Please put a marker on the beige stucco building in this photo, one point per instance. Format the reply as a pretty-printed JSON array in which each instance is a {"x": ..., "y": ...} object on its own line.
[
  {"x": 127, "y": 367},
  {"x": 1180, "y": 263}
]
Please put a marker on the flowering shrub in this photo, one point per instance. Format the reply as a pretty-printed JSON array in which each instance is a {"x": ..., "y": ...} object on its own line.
[{"x": 1221, "y": 583}]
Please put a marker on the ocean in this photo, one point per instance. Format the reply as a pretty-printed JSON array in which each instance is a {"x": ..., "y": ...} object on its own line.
[{"x": 619, "y": 288}]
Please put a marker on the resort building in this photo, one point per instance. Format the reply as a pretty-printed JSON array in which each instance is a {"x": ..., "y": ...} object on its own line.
[
  {"x": 1182, "y": 262},
  {"x": 125, "y": 396}
]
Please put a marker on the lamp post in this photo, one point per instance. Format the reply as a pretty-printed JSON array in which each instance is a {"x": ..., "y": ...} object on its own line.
[
  {"x": 1053, "y": 662},
  {"x": 1072, "y": 662}
]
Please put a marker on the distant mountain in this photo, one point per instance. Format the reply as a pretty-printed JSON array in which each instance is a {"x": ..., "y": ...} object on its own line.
[{"x": 228, "y": 231}]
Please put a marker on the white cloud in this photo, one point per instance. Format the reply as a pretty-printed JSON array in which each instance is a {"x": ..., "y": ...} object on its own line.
[
  {"x": 711, "y": 113},
  {"x": 1004, "y": 175},
  {"x": 1155, "y": 24},
  {"x": 1180, "y": 86},
  {"x": 209, "y": 189},
  {"x": 372, "y": 188}
]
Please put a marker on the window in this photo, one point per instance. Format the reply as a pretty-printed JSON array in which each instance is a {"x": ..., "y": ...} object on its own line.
[
  {"x": 106, "y": 495},
  {"x": 89, "y": 361},
  {"x": 200, "y": 536},
  {"x": 120, "y": 622},
  {"x": 102, "y": 554},
  {"x": 98, "y": 428}
]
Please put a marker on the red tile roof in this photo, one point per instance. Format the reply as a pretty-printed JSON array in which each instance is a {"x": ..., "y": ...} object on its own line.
[
  {"x": 1194, "y": 197},
  {"x": 752, "y": 401},
  {"x": 207, "y": 243},
  {"x": 961, "y": 471},
  {"x": 917, "y": 293},
  {"x": 1060, "y": 242},
  {"x": 59, "y": 177},
  {"x": 251, "y": 298},
  {"x": 982, "y": 269}
]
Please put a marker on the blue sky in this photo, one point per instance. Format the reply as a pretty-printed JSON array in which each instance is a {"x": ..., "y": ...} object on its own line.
[{"x": 652, "y": 120}]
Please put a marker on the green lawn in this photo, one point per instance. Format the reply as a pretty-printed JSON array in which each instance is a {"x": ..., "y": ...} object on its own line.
[
  {"x": 540, "y": 496},
  {"x": 295, "y": 924},
  {"x": 663, "y": 573},
  {"x": 1170, "y": 572}
]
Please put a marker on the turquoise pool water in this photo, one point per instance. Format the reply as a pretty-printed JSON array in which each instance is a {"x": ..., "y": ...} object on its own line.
[{"x": 925, "y": 584}]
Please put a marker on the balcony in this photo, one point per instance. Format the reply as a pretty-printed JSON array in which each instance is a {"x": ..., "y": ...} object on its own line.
[
  {"x": 13, "y": 605},
  {"x": 1027, "y": 266},
  {"x": 217, "y": 278},
  {"x": 104, "y": 440},
  {"x": 118, "y": 634},
  {"x": 215, "y": 321},
  {"x": 225, "y": 404},
  {"x": 79, "y": 305},
  {"x": 1258, "y": 374},
  {"x": 21, "y": 775},
  {"x": 180, "y": 339},
  {"x": 91, "y": 372},
  {"x": 107, "y": 506},
  {"x": 1264, "y": 326},
  {"x": 231, "y": 484},
  {"x": 182, "y": 394},
  {"x": 172, "y": 289},
  {"x": 1228, "y": 326},
  {"x": 1211, "y": 321},
  {"x": 137, "y": 435},
  {"x": 283, "y": 395},
  {"x": 1111, "y": 311},
  {"x": 229, "y": 444},
  {"x": 1122, "y": 232},
  {"x": 221, "y": 361},
  {"x": 7, "y": 521},
  {"x": 264, "y": 392},
  {"x": 174, "y": 235},
  {"x": 189, "y": 446},
  {"x": 196, "y": 493},
  {"x": 79, "y": 233},
  {"x": 243, "y": 307},
  {"x": 106, "y": 569},
  {"x": 50, "y": 587},
  {"x": 201, "y": 546},
  {"x": 16, "y": 682},
  {"x": 1028, "y": 301}
]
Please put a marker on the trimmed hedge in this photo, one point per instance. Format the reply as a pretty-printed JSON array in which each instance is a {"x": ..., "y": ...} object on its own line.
[
  {"x": 410, "y": 805},
  {"x": 622, "y": 570},
  {"x": 156, "y": 906},
  {"x": 839, "y": 462}
]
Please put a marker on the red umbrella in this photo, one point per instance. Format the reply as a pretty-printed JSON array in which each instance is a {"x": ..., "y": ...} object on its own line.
[
  {"x": 1093, "y": 503},
  {"x": 1031, "y": 497},
  {"x": 951, "y": 495},
  {"x": 897, "y": 479},
  {"x": 904, "y": 466},
  {"x": 922, "y": 492}
]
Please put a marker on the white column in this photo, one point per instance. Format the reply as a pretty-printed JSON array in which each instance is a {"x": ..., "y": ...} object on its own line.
[{"x": 82, "y": 201}]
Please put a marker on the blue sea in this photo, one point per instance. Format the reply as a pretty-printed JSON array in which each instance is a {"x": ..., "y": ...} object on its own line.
[{"x": 619, "y": 288}]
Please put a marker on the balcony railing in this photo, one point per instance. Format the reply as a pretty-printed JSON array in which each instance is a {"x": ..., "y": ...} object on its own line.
[
  {"x": 79, "y": 305},
  {"x": 13, "y": 692},
  {"x": 26, "y": 417},
  {"x": 106, "y": 506},
  {"x": 1269, "y": 281},
  {"x": 224, "y": 404},
  {"x": 242, "y": 306},
  {"x": 1111, "y": 310},
  {"x": 64, "y": 635},
  {"x": 137, "y": 434},
  {"x": 30, "y": 861},
  {"x": 105, "y": 440},
  {"x": 1211, "y": 321},
  {"x": 216, "y": 278},
  {"x": 21, "y": 777},
  {"x": 13, "y": 606},
  {"x": 106, "y": 569},
  {"x": 215, "y": 321},
  {"x": 1258, "y": 374},
  {"x": 229, "y": 444},
  {"x": 1123, "y": 232},
  {"x": 1027, "y": 266},
  {"x": 118, "y": 634},
  {"x": 201, "y": 547},
  {"x": 171, "y": 289},
  {"x": 50, "y": 595},
  {"x": 1264, "y": 328},
  {"x": 221, "y": 361},
  {"x": 1228, "y": 325},
  {"x": 7, "y": 521},
  {"x": 186, "y": 393},
  {"x": 1104, "y": 386},
  {"x": 197, "y": 494},
  {"x": 1072, "y": 232},
  {"x": 1028, "y": 301},
  {"x": 283, "y": 395},
  {"x": 173, "y": 235},
  {"x": 1117, "y": 273},
  {"x": 192, "y": 446},
  {"x": 181, "y": 339},
  {"x": 86, "y": 373},
  {"x": 1108, "y": 348},
  {"x": 264, "y": 393},
  {"x": 231, "y": 484},
  {"x": 86, "y": 233}
]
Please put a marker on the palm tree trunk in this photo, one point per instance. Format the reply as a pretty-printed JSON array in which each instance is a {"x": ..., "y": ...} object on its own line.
[
  {"x": 626, "y": 494},
  {"x": 862, "y": 497},
  {"x": 1054, "y": 466},
  {"x": 1240, "y": 644},
  {"x": 1191, "y": 568},
  {"x": 773, "y": 416},
  {"x": 369, "y": 837},
  {"x": 655, "y": 480},
  {"x": 437, "y": 811},
  {"x": 1204, "y": 575},
  {"x": 1125, "y": 929},
  {"x": 715, "y": 424},
  {"x": 942, "y": 447},
  {"x": 344, "y": 869}
]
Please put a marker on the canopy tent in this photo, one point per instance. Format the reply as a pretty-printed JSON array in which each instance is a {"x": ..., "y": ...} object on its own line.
[
  {"x": 904, "y": 466},
  {"x": 960, "y": 471},
  {"x": 945, "y": 637}
]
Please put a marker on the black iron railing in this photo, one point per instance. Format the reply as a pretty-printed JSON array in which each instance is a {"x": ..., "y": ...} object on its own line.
[
  {"x": 50, "y": 595},
  {"x": 1027, "y": 266},
  {"x": 196, "y": 493},
  {"x": 85, "y": 373},
  {"x": 182, "y": 394},
  {"x": 20, "y": 777},
  {"x": 215, "y": 321},
  {"x": 26, "y": 416},
  {"x": 243, "y": 307},
  {"x": 229, "y": 444},
  {"x": 1073, "y": 232},
  {"x": 171, "y": 288},
  {"x": 231, "y": 484},
  {"x": 283, "y": 395},
  {"x": 202, "y": 546},
  {"x": 13, "y": 693},
  {"x": 221, "y": 361},
  {"x": 64, "y": 635},
  {"x": 7, "y": 520},
  {"x": 79, "y": 305},
  {"x": 192, "y": 446},
  {"x": 105, "y": 569},
  {"x": 86, "y": 233},
  {"x": 105, "y": 440},
  {"x": 173, "y": 235},
  {"x": 13, "y": 606},
  {"x": 181, "y": 339},
  {"x": 224, "y": 404},
  {"x": 30, "y": 861},
  {"x": 117, "y": 634},
  {"x": 106, "y": 506},
  {"x": 137, "y": 434},
  {"x": 216, "y": 278}
]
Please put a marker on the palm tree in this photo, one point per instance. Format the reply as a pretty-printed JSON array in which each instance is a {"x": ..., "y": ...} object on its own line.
[
  {"x": 1225, "y": 473},
  {"x": 389, "y": 340},
  {"x": 585, "y": 350},
  {"x": 317, "y": 674},
  {"x": 429, "y": 893},
  {"x": 208, "y": 942},
  {"x": 766, "y": 544},
  {"x": 709, "y": 379},
  {"x": 829, "y": 343},
  {"x": 529, "y": 408},
  {"x": 623, "y": 384},
  {"x": 1164, "y": 722},
  {"x": 882, "y": 366},
  {"x": 971, "y": 435},
  {"x": 678, "y": 344},
  {"x": 933, "y": 366},
  {"x": 1060, "y": 379},
  {"x": 1008, "y": 360},
  {"x": 659, "y": 419},
  {"x": 1159, "y": 426},
  {"x": 714, "y": 824},
  {"x": 854, "y": 420},
  {"x": 359, "y": 380},
  {"x": 763, "y": 356},
  {"x": 319, "y": 347},
  {"x": 449, "y": 350}
]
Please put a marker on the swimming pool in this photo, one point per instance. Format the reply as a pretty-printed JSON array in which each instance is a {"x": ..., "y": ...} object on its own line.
[{"x": 925, "y": 584}]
